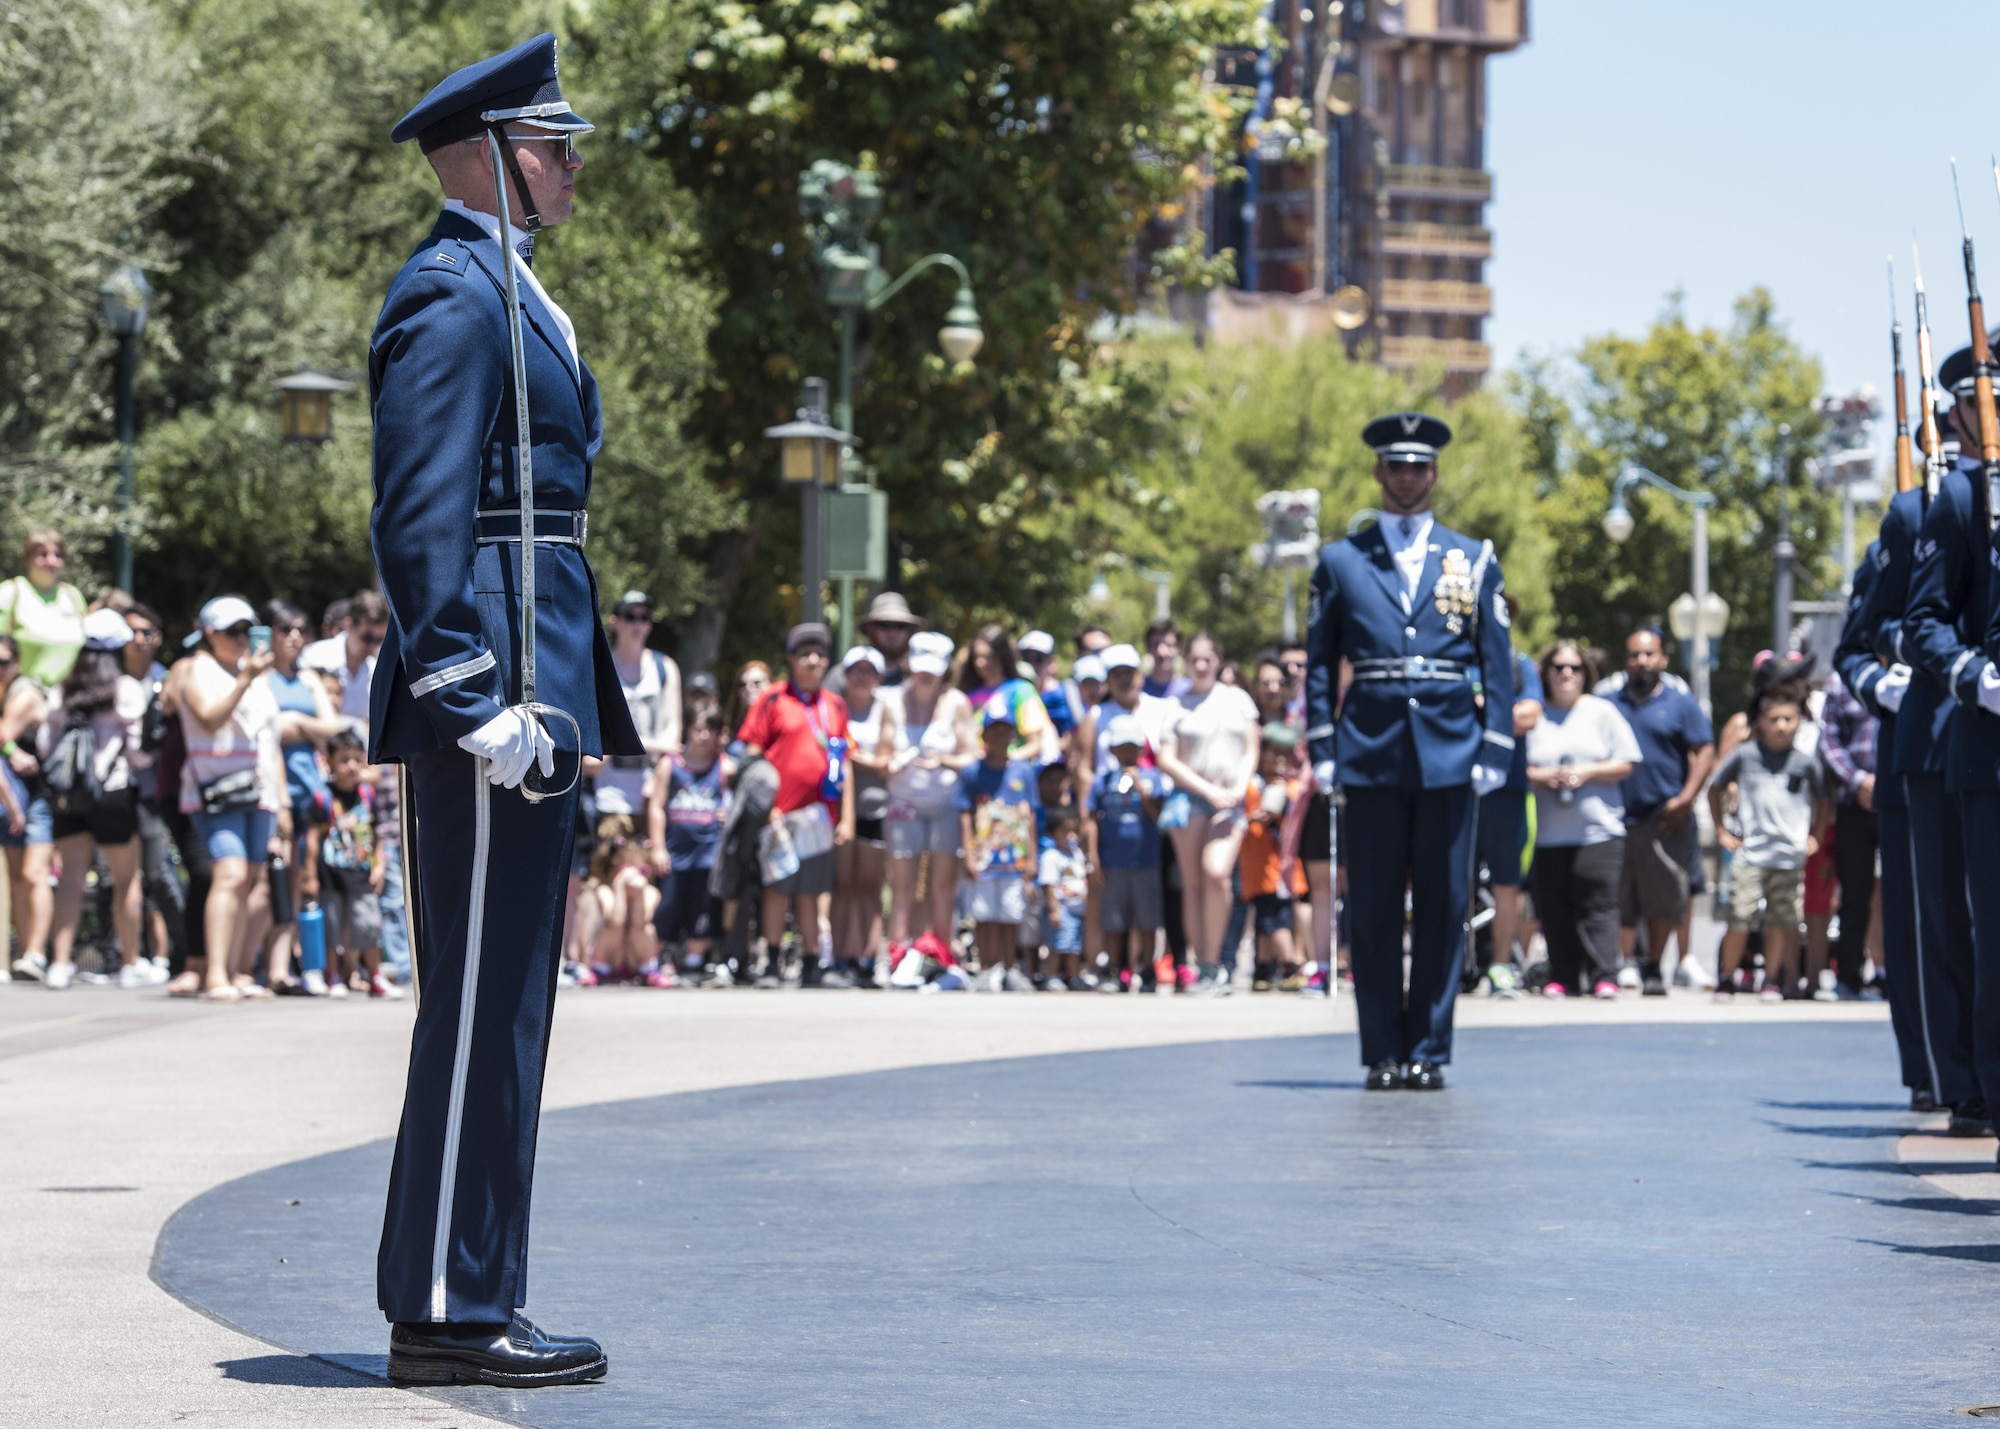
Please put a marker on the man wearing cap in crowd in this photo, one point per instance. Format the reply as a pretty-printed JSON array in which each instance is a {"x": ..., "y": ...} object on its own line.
[
  {"x": 888, "y": 626},
  {"x": 800, "y": 728},
  {"x": 1955, "y": 819},
  {"x": 1123, "y": 694},
  {"x": 1038, "y": 651},
  {"x": 1427, "y": 727},
  {"x": 489, "y": 859},
  {"x": 652, "y": 685}
]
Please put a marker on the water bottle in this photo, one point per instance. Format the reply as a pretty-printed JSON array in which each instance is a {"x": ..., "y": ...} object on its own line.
[
  {"x": 1566, "y": 795},
  {"x": 312, "y": 938},
  {"x": 281, "y": 890}
]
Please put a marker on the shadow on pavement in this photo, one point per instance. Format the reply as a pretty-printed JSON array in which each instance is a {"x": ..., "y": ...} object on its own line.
[
  {"x": 1306, "y": 1086},
  {"x": 307, "y": 1372},
  {"x": 1834, "y": 1106}
]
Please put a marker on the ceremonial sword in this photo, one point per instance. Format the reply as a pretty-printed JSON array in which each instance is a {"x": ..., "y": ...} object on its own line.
[{"x": 531, "y": 786}]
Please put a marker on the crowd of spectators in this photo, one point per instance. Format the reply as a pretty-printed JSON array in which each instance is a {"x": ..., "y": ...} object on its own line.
[{"x": 920, "y": 813}]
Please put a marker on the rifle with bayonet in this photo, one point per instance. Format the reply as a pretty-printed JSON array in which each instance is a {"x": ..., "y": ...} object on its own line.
[
  {"x": 1982, "y": 364},
  {"x": 1930, "y": 441},
  {"x": 1906, "y": 474}
]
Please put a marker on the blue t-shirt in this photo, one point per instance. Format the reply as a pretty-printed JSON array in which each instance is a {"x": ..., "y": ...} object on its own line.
[
  {"x": 304, "y": 783},
  {"x": 1062, "y": 714},
  {"x": 1668, "y": 725},
  {"x": 1126, "y": 837},
  {"x": 1527, "y": 686},
  {"x": 1003, "y": 802},
  {"x": 696, "y": 806}
]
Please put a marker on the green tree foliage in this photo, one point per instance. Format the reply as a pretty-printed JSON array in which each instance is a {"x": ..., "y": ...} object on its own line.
[
  {"x": 94, "y": 110},
  {"x": 1241, "y": 420},
  {"x": 1700, "y": 407},
  {"x": 1034, "y": 141}
]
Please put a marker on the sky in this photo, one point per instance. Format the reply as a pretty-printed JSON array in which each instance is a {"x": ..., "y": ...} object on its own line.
[{"x": 1707, "y": 146}]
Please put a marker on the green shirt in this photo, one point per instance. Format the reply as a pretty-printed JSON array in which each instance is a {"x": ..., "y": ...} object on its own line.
[{"x": 48, "y": 628}]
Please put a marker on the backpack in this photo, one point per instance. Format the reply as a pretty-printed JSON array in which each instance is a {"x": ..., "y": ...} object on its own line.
[{"x": 70, "y": 776}]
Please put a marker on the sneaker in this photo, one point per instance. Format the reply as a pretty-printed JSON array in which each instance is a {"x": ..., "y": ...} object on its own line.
[
  {"x": 1827, "y": 994},
  {"x": 1189, "y": 978},
  {"x": 1502, "y": 981},
  {"x": 1688, "y": 973},
  {"x": 1724, "y": 992},
  {"x": 839, "y": 977},
  {"x": 1124, "y": 979},
  {"x": 662, "y": 977},
  {"x": 566, "y": 977},
  {"x": 719, "y": 976},
  {"x": 1628, "y": 978},
  {"x": 1014, "y": 980},
  {"x": 1315, "y": 986},
  {"x": 1654, "y": 986},
  {"x": 1605, "y": 991},
  {"x": 1770, "y": 992},
  {"x": 1165, "y": 970},
  {"x": 58, "y": 976},
  {"x": 1085, "y": 982},
  {"x": 336, "y": 989},
  {"x": 950, "y": 980},
  {"x": 31, "y": 967},
  {"x": 1054, "y": 984},
  {"x": 380, "y": 986},
  {"x": 1843, "y": 993},
  {"x": 1555, "y": 989},
  {"x": 314, "y": 982},
  {"x": 92, "y": 979},
  {"x": 586, "y": 976},
  {"x": 141, "y": 974}
]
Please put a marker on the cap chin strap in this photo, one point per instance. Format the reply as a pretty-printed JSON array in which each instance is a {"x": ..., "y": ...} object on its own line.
[{"x": 531, "y": 221}]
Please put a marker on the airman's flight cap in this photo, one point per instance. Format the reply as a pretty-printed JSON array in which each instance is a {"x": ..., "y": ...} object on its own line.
[
  {"x": 1956, "y": 375},
  {"x": 517, "y": 87},
  {"x": 1414, "y": 437}
]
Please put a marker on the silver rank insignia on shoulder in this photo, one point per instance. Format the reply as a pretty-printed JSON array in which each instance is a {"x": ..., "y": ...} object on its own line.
[{"x": 1455, "y": 596}]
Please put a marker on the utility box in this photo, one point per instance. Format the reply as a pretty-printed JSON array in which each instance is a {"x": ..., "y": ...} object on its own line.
[{"x": 857, "y": 534}]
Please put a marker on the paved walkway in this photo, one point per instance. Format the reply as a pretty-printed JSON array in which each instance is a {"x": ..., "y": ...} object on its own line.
[{"x": 118, "y": 1110}]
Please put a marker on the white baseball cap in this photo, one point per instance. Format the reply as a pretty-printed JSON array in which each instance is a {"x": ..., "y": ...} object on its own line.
[
  {"x": 1088, "y": 667},
  {"x": 1123, "y": 729},
  {"x": 930, "y": 653},
  {"x": 1120, "y": 657},
  {"x": 1037, "y": 642},
  {"x": 225, "y": 611},
  {"x": 106, "y": 630},
  {"x": 864, "y": 655}
]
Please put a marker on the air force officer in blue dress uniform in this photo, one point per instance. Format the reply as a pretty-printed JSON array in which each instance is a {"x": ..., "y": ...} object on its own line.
[
  {"x": 490, "y": 865},
  {"x": 1427, "y": 727}
]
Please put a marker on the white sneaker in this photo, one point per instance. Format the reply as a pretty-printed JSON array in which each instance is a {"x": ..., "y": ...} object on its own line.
[
  {"x": 58, "y": 977},
  {"x": 314, "y": 982},
  {"x": 31, "y": 968},
  {"x": 141, "y": 974},
  {"x": 6, "y": 974},
  {"x": 1629, "y": 979},
  {"x": 336, "y": 988}
]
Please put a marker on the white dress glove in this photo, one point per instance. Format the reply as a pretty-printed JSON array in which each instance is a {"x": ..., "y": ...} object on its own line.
[
  {"x": 511, "y": 742},
  {"x": 1890, "y": 689},
  {"x": 1323, "y": 776},
  {"x": 1989, "y": 689},
  {"x": 1486, "y": 779}
]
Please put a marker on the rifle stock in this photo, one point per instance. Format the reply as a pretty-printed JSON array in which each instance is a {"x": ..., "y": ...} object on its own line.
[
  {"x": 1929, "y": 440},
  {"x": 1906, "y": 474}
]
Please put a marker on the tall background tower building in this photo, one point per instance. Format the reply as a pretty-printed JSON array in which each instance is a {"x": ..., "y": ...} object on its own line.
[{"x": 1382, "y": 233}]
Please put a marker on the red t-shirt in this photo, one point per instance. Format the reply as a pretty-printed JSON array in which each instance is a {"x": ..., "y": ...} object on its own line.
[{"x": 793, "y": 734}]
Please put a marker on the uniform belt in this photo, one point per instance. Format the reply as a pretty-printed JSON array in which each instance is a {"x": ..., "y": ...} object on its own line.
[
  {"x": 1414, "y": 667},
  {"x": 562, "y": 528}
]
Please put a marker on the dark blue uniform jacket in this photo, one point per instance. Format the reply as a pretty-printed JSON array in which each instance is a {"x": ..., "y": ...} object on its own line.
[
  {"x": 1945, "y": 625},
  {"x": 440, "y": 379},
  {"x": 1413, "y": 731}
]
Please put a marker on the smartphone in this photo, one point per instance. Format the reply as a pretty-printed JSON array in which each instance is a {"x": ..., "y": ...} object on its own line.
[{"x": 260, "y": 639}]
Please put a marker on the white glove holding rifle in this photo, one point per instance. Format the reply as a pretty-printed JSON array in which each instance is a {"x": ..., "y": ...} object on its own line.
[
  {"x": 511, "y": 743},
  {"x": 1890, "y": 689}
]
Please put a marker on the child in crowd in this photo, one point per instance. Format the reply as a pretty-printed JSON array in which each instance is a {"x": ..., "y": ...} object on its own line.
[
  {"x": 1124, "y": 850},
  {"x": 686, "y": 806},
  {"x": 1780, "y": 803},
  {"x": 621, "y": 890},
  {"x": 1064, "y": 877},
  {"x": 1052, "y": 783},
  {"x": 997, "y": 799},
  {"x": 1269, "y": 887},
  {"x": 345, "y": 869}
]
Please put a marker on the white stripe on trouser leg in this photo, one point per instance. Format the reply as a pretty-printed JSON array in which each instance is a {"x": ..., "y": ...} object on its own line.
[
  {"x": 1917, "y": 941},
  {"x": 461, "y": 1058}
]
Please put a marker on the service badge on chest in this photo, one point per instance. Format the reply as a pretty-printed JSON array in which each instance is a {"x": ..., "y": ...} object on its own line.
[{"x": 1455, "y": 595}]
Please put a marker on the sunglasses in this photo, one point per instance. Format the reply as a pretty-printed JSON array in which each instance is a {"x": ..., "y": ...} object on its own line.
[
  {"x": 370, "y": 638},
  {"x": 144, "y": 634},
  {"x": 1556, "y": 669},
  {"x": 567, "y": 141}
]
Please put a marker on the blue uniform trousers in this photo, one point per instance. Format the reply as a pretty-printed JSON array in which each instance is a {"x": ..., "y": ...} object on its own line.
[
  {"x": 1899, "y": 953},
  {"x": 491, "y": 875},
  {"x": 1421, "y": 839},
  {"x": 1944, "y": 937},
  {"x": 1979, "y": 814}
]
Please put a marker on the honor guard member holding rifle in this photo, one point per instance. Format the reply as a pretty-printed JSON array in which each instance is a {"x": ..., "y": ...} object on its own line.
[
  {"x": 1955, "y": 798},
  {"x": 494, "y": 680},
  {"x": 1425, "y": 729}
]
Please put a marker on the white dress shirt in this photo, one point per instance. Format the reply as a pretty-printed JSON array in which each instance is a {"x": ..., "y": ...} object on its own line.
[
  {"x": 1409, "y": 540},
  {"x": 516, "y": 239}
]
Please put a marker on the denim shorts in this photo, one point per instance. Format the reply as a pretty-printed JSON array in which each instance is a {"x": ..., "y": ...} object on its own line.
[
  {"x": 41, "y": 821},
  {"x": 242, "y": 834},
  {"x": 909, "y": 832}
]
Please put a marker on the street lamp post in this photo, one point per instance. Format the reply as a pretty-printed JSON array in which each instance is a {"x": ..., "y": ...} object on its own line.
[
  {"x": 125, "y": 296},
  {"x": 809, "y": 457},
  {"x": 841, "y": 205},
  {"x": 1711, "y": 616},
  {"x": 1781, "y": 581}
]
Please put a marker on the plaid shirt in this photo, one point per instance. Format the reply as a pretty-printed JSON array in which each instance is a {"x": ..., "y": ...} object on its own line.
[{"x": 1847, "y": 739}]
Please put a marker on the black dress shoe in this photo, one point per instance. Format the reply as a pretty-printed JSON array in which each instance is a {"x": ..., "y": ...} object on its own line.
[
  {"x": 1424, "y": 1077},
  {"x": 1969, "y": 1118},
  {"x": 516, "y": 1355},
  {"x": 1384, "y": 1077},
  {"x": 1922, "y": 1100}
]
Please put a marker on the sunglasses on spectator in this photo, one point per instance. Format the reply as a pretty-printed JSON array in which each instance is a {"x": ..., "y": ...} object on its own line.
[
  {"x": 371, "y": 638},
  {"x": 236, "y": 632},
  {"x": 1556, "y": 668}
]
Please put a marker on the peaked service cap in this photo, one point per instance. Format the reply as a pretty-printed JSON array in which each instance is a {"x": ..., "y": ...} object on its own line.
[
  {"x": 1407, "y": 436},
  {"x": 518, "y": 86},
  {"x": 1956, "y": 371}
]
